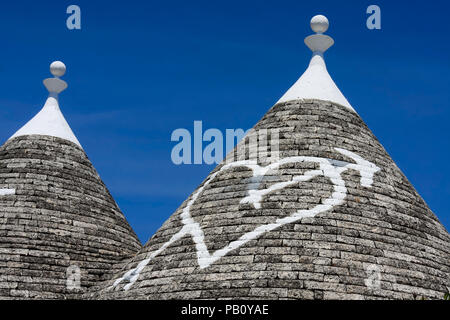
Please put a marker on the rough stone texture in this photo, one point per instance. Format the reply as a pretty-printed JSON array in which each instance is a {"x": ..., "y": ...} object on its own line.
[
  {"x": 60, "y": 215},
  {"x": 388, "y": 227}
]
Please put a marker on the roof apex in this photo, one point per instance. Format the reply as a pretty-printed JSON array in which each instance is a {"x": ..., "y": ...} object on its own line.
[
  {"x": 316, "y": 82},
  {"x": 50, "y": 120}
]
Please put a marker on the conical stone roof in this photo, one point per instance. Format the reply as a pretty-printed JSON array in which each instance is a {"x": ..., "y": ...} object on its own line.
[
  {"x": 332, "y": 217},
  {"x": 61, "y": 232}
]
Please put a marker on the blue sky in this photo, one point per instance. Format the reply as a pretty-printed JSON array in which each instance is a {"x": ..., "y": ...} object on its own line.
[{"x": 137, "y": 70}]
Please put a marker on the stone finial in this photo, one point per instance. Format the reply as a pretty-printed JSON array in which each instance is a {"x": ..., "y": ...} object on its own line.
[
  {"x": 56, "y": 85},
  {"x": 319, "y": 43}
]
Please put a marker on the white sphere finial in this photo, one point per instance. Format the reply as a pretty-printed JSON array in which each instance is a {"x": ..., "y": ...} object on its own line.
[
  {"x": 57, "y": 68},
  {"x": 56, "y": 85},
  {"x": 319, "y": 24}
]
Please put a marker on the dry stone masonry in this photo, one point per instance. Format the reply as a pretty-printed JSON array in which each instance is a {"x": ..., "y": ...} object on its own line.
[
  {"x": 61, "y": 215},
  {"x": 386, "y": 227}
]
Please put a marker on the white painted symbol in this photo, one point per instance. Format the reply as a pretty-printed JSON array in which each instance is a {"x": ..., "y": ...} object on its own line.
[
  {"x": 373, "y": 280},
  {"x": 73, "y": 278},
  {"x": 7, "y": 192},
  {"x": 332, "y": 169}
]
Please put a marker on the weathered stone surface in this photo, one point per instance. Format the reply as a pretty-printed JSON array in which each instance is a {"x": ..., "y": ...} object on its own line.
[
  {"x": 61, "y": 215},
  {"x": 330, "y": 256}
]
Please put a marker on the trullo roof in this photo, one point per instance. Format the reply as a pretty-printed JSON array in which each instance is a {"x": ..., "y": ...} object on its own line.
[{"x": 61, "y": 232}]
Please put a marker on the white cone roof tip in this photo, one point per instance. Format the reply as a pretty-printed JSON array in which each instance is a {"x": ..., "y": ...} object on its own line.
[
  {"x": 316, "y": 82},
  {"x": 50, "y": 121}
]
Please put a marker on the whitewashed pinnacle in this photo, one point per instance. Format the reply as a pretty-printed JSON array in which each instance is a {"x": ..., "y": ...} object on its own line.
[
  {"x": 316, "y": 82},
  {"x": 50, "y": 121}
]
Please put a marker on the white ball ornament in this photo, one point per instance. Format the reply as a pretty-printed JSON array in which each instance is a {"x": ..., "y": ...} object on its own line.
[
  {"x": 57, "y": 68},
  {"x": 319, "y": 24}
]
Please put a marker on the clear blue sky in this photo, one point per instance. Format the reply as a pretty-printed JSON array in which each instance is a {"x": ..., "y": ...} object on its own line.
[{"x": 140, "y": 69}]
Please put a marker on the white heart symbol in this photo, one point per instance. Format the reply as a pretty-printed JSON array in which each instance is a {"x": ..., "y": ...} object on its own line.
[{"x": 329, "y": 168}]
